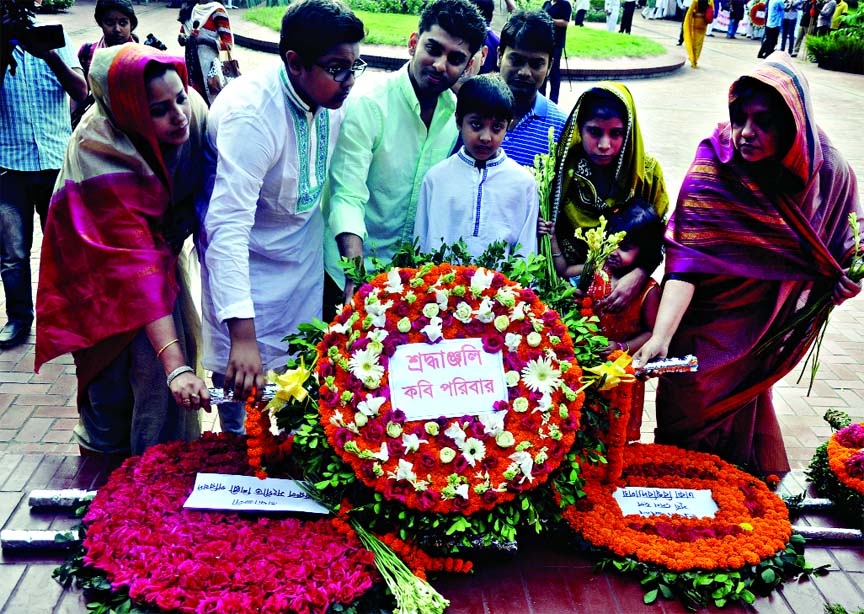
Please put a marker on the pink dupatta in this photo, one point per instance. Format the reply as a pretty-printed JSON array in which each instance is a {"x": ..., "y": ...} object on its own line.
[{"x": 106, "y": 270}]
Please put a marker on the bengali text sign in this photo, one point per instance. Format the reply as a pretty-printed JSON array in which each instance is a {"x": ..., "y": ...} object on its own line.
[
  {"x": 216, "y": 491},
  {"x": 455, "y": 377},
  {"x": 647, "y": 501}
]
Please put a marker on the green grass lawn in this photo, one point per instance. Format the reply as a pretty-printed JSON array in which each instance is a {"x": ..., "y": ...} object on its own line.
[{"x": 390, "y": 29}]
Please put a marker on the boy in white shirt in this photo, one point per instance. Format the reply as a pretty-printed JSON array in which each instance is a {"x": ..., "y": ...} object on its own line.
[
  {"x": 274, "y": 131},
  {"x": 478, "y": 194}
]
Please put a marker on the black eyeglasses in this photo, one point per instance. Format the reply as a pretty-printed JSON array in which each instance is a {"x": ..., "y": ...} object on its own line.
[{"x": 341, "y": 74}]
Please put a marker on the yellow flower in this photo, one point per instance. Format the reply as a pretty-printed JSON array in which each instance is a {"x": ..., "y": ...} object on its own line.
[
  {"x": 289, "y": 385},
  {"x": 610, "y": 374},
  {"x": 746, "y": 526}
]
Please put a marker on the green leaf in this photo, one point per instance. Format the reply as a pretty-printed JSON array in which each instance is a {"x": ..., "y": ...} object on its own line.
[
  {"x": 650, "y": 596},
  {"x": 768, "y": 576}
]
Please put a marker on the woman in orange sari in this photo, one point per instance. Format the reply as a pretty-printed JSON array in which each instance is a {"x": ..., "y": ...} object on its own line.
[{"x": 760, "y": 234}]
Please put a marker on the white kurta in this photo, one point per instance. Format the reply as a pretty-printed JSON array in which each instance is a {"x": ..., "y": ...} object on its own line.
[
  {"x": 478, "y": 205},
  {"x": 263, "y": 231}
]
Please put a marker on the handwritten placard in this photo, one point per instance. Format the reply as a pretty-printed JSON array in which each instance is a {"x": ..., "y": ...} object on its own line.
[
  {"x": 243, "y": 493},
  {"x": 646, "y": 501},
  {"x": 455, "y": 377}
]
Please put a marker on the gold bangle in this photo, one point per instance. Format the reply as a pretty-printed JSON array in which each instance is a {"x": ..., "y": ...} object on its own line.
[{"x": 166, "y": 346}]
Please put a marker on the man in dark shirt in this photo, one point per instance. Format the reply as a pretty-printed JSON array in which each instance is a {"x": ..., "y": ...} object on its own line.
[{"x": 559, "y": 11}]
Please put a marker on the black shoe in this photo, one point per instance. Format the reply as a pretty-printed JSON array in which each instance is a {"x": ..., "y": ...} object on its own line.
[{"x": 14, "y": 333}]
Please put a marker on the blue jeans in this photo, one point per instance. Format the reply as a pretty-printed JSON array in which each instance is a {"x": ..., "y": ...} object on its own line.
[
  {"x": 787, "y": 32},
  {"x": 733, "y": 28},
  {"x": 21, "y": 193},
  {"x": 232, "y": 416}
]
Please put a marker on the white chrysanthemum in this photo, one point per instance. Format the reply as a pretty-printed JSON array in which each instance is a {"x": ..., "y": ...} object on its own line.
[
  {"x": 462, "y": 491},
  {"x": 433, "y": 329},
  {"x": 539, "y": 376},
  {"x": 371, "y": 406},
  {"x": 482, "y": 280},
  {"x": 493, "y": 423},
  {"x": 394, "y": 282},
  {"x": 473, "y": 450},
  {"x": 442, "y": 297},
  {"x": 364, "y": 365}
]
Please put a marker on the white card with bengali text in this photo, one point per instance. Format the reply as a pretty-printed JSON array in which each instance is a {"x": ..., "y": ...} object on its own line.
[{"x": 243, "y": 493}]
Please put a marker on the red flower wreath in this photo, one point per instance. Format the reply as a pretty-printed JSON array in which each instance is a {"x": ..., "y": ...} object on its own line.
[
  {"x": 750, "y": 525},
  {"x": 203, "y": 562},
  {"x": 449, "y": 465}
]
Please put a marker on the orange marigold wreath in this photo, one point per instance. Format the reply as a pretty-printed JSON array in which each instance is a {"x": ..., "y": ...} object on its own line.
[
  {"x": 751, "y": 523},
  {"x": 449, "y": 464},
  {"x": 846, "y": 456}
]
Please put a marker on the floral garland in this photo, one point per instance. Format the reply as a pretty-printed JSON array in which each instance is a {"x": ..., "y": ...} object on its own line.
[
  {"x": 215, "y": 561},
  {"x": 751, "y": 523},
  {"x": 449, "y": 465}
]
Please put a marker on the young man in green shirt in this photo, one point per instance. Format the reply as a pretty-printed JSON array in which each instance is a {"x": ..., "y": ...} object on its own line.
[{"x": 391, "y": 136}]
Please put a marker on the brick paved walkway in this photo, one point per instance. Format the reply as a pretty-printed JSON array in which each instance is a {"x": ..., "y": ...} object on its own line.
[{"x": 37, "y": 412}]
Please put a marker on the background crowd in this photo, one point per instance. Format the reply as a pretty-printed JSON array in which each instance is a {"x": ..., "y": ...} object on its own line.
[{"x": 286, "y": 174}]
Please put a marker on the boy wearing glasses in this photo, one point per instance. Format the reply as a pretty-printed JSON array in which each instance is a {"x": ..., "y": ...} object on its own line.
[
  {"x": 273, "y": 132},
  {"x": 391, "y": 136}
]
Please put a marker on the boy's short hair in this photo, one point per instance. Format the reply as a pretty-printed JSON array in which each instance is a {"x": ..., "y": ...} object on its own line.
[
  {"x": 644, "y": 229},
  {"x": 487, "y": 95},
  {"x": 459, "y": 18},
  {"x": 529, "y": 31},
  {"x": 312, "y": 27}
]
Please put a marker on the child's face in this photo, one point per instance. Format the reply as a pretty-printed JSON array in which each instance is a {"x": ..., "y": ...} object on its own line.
[
  {"x": 623, "y": 259},
  {"x": 317, "y": 85},
  {"x": 169, "y": 109},
  {"x": 116, "y": 27},
  {"x": 602, "y": 139},
  {"x": 482, "y": 135}
]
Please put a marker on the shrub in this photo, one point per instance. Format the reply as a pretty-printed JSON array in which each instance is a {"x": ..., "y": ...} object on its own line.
[
  {"x": 404, "y": 7},
  {"x": 54, "y": 6},
  {"x": 842, "y": 49}
]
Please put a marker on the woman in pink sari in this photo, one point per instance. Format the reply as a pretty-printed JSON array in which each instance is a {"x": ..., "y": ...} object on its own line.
[
  {"x": 760, "y": 231},
  {"x": 110, "y": 288}
]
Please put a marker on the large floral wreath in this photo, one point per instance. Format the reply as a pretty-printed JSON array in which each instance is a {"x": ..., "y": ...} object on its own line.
[
  {"x": 459, "y": 464},
  {"x": 751, "y": 522},
  {"x": 747, "y": 547},
  {"x": 139, "y": 536}
]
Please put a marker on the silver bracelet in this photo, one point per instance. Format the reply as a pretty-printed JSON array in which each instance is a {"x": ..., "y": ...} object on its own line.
[{"x": 178, "y": 372}]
